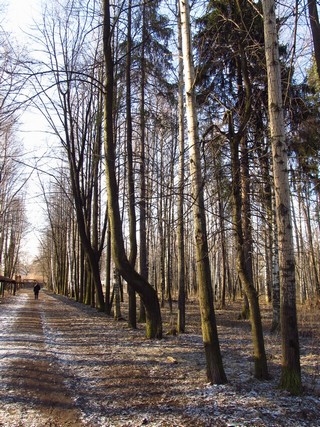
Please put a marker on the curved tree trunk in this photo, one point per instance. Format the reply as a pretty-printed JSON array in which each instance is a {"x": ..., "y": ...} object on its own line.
[{"x": 138, "y": 283}]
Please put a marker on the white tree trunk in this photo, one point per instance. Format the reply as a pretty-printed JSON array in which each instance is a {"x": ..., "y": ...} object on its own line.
[
  {"x": 291, "y": 376},
  {"x": 180, "y": 229},
  {"x": 215, "y": 371}
]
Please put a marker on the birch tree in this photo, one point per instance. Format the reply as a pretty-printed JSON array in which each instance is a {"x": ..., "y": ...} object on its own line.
[
  {"x": 180, "y": 232},
  {"x": 215, "y": 370},
  {"x": 291, "y": 373}
]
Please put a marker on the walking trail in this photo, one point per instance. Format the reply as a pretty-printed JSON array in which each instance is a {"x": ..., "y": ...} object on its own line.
[
  {"x": 64, "y": 364},
  {"x": 33, "y": 391}
]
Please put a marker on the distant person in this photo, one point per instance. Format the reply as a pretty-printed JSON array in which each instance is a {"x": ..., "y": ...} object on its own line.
[{"x": 36, "y": 290}]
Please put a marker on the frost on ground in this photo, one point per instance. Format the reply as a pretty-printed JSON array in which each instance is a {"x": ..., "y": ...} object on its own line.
[{"x": 64, "y": 364}]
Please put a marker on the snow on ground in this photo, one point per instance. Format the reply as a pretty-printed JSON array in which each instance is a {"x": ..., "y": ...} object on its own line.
[{"x": 64, "y": 364}]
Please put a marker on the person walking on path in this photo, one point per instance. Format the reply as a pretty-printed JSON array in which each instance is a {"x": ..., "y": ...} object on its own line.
[{"x": 36, "y": 290}]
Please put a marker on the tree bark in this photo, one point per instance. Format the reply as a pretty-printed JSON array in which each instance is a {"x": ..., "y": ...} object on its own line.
[
  {"x": 108, "y": 303},
  {"x": 215, "y": 371},
  {"x": 143, "y": 253},
  {"x": 291, "y": 372},
  {"x": 132, "y": 318},
  {"x": 260, "y": 360},
  {"x": 315, "y": 29},
  {"x": 313, "y": 257},
  {"x": 181, "y": 321},
  {"x": 138, "y": 283}
]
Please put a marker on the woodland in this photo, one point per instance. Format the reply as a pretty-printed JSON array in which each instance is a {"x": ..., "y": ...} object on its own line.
[{"x": 181, "y": 160}]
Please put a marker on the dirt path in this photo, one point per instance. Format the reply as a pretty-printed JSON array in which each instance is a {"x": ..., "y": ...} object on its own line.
[
  {"x": 64, "y": 364},
  {"x": 32, "y": 390}
]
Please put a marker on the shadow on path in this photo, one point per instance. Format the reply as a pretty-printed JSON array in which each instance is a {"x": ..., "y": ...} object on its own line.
[{"x": 31, "y": 385}]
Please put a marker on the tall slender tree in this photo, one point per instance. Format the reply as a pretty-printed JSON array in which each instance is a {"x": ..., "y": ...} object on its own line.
[
  {"x": 143, "y": 253},
  {"x": 130, "y": 173},
  {"x": 181, "y": 232},
  {"x": 215, "y": 371},
  {"x": 229, "y": 23},
  {"x": 291, "y": 371},
  {"x": 138, "y": 283}
]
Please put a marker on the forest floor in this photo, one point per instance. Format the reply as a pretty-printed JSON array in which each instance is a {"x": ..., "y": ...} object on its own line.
[{"x": 65, "y": 364}]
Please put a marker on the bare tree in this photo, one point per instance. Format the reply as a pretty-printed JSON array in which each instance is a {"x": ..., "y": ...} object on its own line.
[
  {"x": 70, "y": 98},
  {"x": 13, "y": 177}
]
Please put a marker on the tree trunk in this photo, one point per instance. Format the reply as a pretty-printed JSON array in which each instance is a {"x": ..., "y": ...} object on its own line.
[
  {"x": 275, "y": 326},
  {"x": 181, "y": 321},
  {"x": 108, "y": 303},
  {"x": 116, "y": 295},
  {"x": 291, "y": 372},
  {"x": 215, "y": 371},
  {"x": 161, "y": 227},
  {"x": 315, "y": 29},
  {"x": 313, "y": 260},
  {"x": 138, "y": 283},
  {"x": 132, "y": 317},
  {"x": 260, "y": 360},
  {"x": 143, "y": 253}
]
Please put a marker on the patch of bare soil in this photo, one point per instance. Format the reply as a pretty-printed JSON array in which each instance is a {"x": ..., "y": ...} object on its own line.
[{"x": 64, "y": 364}]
